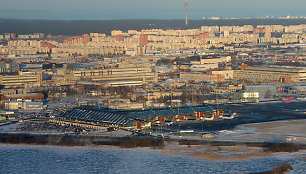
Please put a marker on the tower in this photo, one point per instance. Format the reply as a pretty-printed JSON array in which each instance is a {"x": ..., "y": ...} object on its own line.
[{"x": 186, "y": 18}]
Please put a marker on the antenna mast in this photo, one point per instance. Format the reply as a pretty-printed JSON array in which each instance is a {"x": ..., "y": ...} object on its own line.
[{"x": 186, "y": 18}]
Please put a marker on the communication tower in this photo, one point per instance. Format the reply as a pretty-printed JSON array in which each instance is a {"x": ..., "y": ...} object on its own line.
[{"x": 186, "y": 18}]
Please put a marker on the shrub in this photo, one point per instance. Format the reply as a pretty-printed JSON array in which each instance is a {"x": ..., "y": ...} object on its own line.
[
  {"x": 142, "y": 142},
  {"x": 281, "y": 168},
  {"x": 282, "y": 147}
]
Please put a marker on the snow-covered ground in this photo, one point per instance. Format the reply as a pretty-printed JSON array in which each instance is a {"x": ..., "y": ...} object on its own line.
[{"x": 289, "y": 130}]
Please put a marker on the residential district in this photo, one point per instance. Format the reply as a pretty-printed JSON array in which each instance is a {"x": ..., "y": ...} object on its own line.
[{"x": 134, "y": 80}]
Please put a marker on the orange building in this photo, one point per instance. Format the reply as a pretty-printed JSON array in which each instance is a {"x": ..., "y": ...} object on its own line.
[
  {"x": 119, "y": 38},
  {"x": 46, "y": 44},
  {"x": 143, "y": 40},
  {"x": 85, "y": 38},
  {"x": 258, "y": 30},
  {"x": 201, "y": 35}
]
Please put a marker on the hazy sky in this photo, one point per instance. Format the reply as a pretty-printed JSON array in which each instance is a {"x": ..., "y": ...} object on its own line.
[{"x": 147, "y": 9}]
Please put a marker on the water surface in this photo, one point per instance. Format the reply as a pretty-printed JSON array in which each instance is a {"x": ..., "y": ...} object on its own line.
[{"x": 52, "y": 160}]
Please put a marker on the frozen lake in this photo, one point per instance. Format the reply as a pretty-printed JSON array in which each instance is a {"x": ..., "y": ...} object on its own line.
[{"x": 16, "y": 159}]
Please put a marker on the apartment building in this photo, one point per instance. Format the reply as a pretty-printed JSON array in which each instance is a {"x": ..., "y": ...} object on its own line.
[{"x": 22, "y": 80}]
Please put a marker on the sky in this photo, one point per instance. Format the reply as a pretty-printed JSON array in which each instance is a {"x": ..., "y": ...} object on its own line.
[{"x": 147, "y": 9}]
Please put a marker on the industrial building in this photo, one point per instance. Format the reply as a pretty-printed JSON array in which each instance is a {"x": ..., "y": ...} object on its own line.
[
  {"x": 113, "y": 76},
  {"x": 259, "y": 91},
  {"x": 24, "y": 105},
  {"x": 29, "y": 96},
  {"x": 282, "y": 74},
  {"x": 135, "y": 118},
  {"x": 22, "y": 80}
]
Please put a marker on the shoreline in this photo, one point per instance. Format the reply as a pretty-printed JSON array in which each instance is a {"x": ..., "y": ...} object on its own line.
[
  {"x": 232, "y": 157},
  {"x": 214, "y": 151},
  {"x": 83, "y": 147}
]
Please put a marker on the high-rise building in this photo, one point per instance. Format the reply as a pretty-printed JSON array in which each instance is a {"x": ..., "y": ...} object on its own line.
[
  {"x": 258, "y": 30},
  {"x": 119, "y": 38},
  {"x": 86, "y": 38},
  {"x": 268, "y": 31},
  {"x": 143, "y": 40}
]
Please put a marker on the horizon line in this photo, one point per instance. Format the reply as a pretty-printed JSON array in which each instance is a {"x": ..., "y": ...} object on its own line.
[{"x": 206, "y": 19}]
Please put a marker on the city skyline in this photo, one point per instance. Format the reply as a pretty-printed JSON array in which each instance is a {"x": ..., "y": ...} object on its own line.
[
  {"x": 142, "y": 86},
  {"x": 135, "y": 9}
]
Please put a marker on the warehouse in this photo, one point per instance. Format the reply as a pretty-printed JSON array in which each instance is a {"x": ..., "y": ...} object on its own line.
[{"x": 135, "y": 118}]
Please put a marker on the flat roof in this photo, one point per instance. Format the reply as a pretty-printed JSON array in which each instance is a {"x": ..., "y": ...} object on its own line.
[
  {"x": 123, "y": 117},
  {"x": 24, "y": 95}
]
